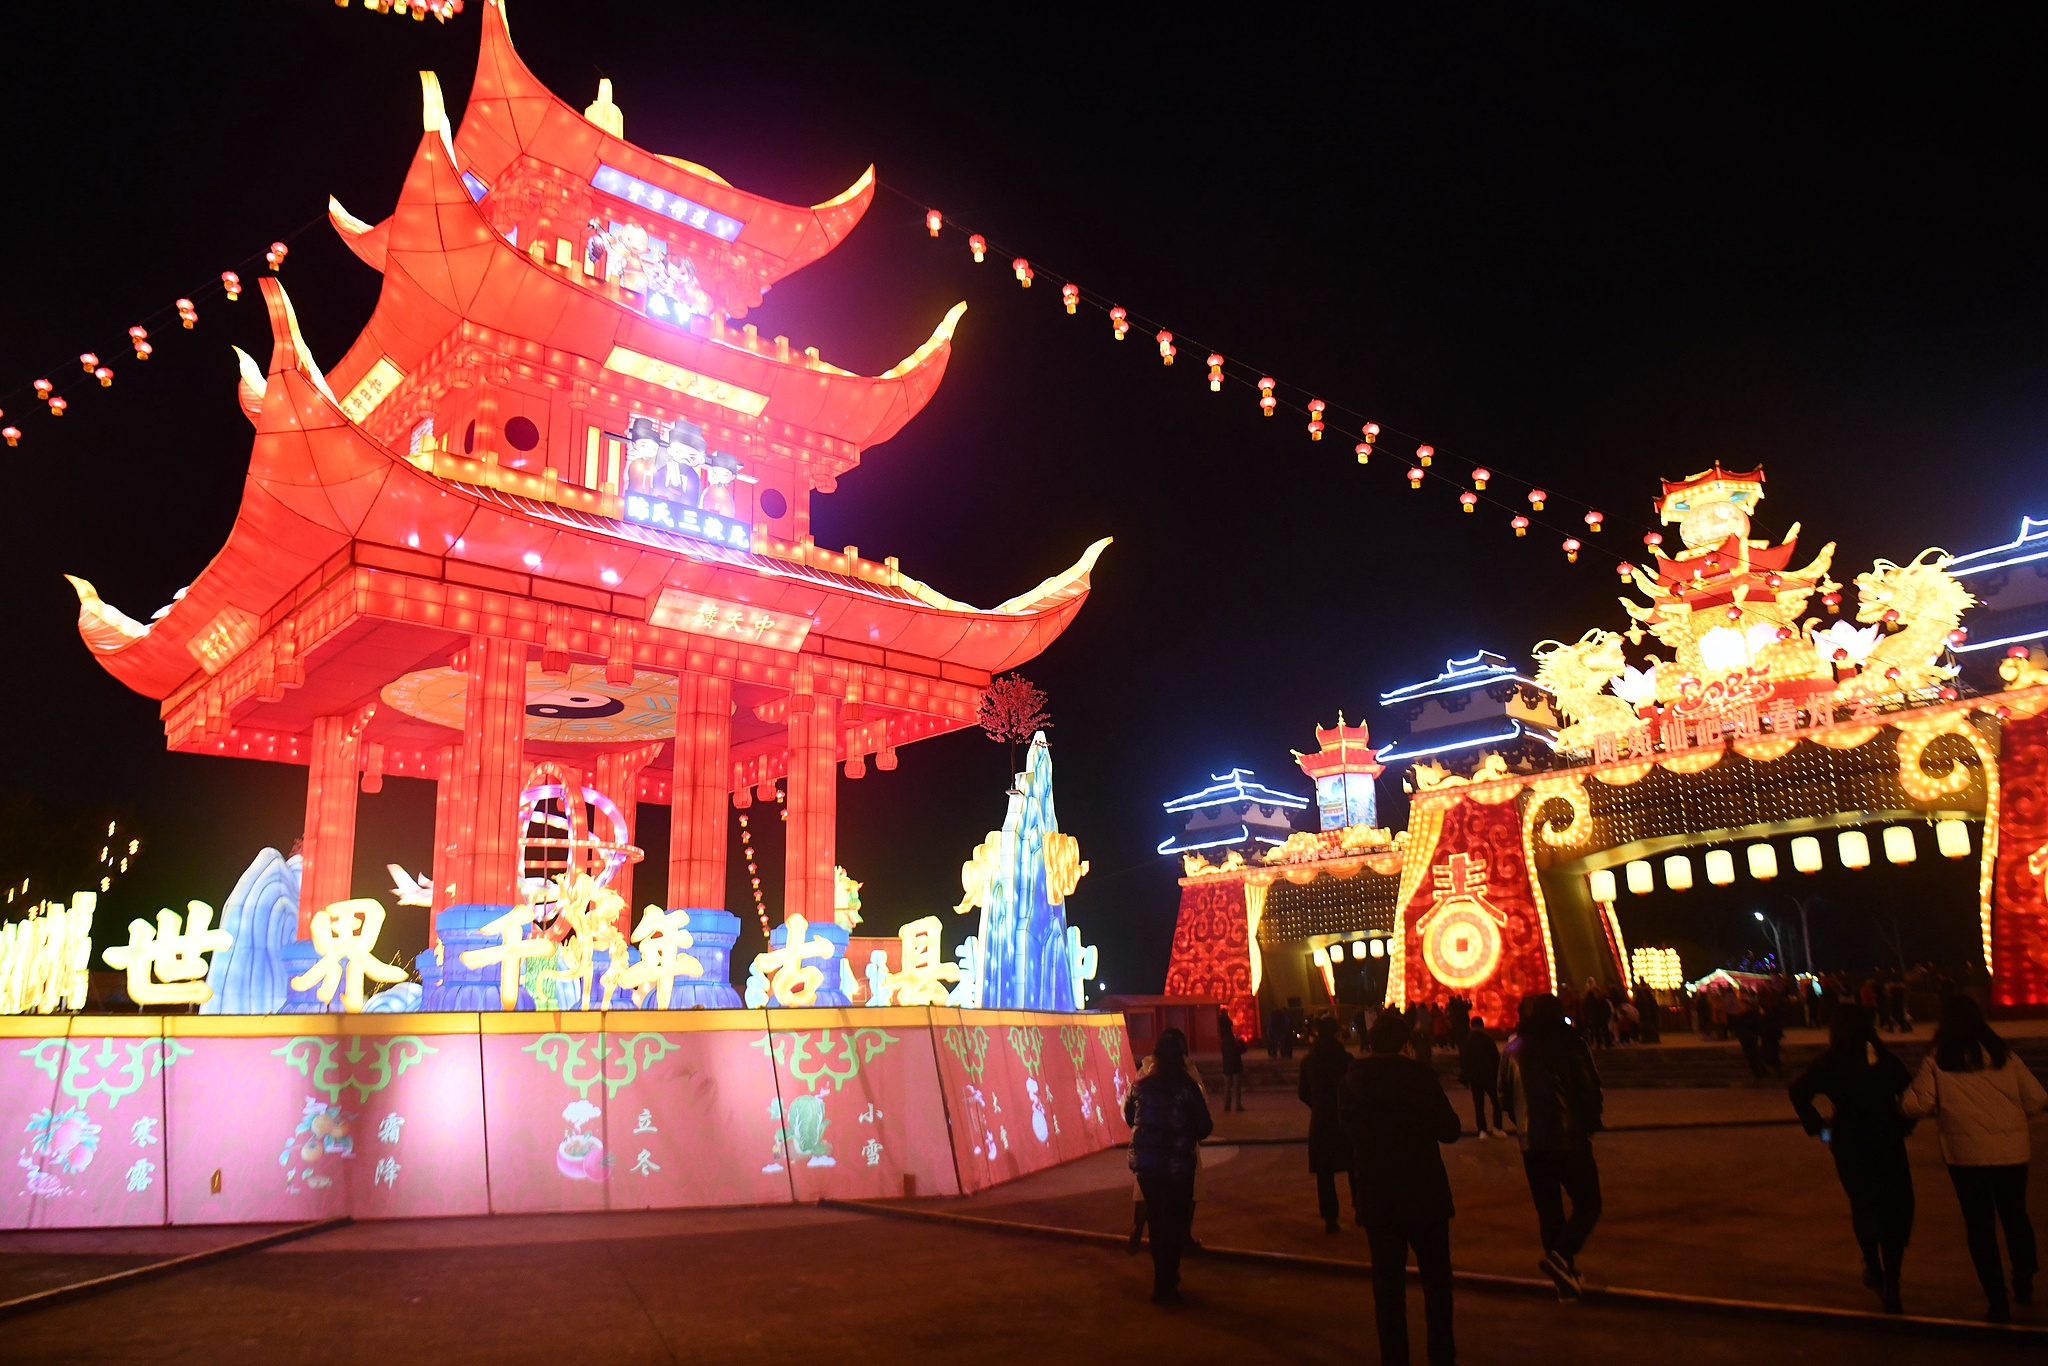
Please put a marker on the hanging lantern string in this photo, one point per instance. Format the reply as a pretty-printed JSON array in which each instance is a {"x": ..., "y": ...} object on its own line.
[
  {"x": 1316, "y": 410},
  {"x": 137, "y": 336}
]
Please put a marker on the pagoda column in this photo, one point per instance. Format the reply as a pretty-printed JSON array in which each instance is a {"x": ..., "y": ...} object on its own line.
[
  {"x": 447, "y": 765},
  {"x": 327, "y": 849},
  {"x": 618, "y": 777},
  {"x": 813, "y": 805},
  {"x": 483, "y": 838},
  {"x": 697, "y": 792}
]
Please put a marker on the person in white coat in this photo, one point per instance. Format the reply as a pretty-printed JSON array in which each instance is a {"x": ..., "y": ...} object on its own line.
[{"x": 1980, "y": 1095}]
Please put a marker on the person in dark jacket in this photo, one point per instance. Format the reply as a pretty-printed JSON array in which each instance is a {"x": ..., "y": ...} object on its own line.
[
  {"x": 1479, "y": 1069},
  {"x": 1550, "y": 1086},
  {"x": 1397, "y": 1116},
  {"x": 1863, "y": 1081},
  {"x": 1646, "y": 1011},
  {"x": 1168, "y": 1116},
  {"x": 1322, "y": 1090},
  {"x": 1233, "y": 1061},
  {"x": 1276, "y": 1025}
]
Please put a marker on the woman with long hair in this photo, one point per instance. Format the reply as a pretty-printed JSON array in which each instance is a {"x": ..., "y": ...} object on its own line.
[
  {"x": 1168, "y": 1116},
  {"x": 1866, "y": 1134},
  {"x": 1980, "y": 1095}
]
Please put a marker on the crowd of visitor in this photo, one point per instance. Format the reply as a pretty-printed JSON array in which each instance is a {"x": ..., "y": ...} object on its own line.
[{"x": 1381, "y": 1120}]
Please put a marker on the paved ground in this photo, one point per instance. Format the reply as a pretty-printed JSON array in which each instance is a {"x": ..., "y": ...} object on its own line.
[{"x": 1747, "y": 1212}]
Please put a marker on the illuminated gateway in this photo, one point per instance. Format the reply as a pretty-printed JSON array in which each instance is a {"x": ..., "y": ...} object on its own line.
[{"x": 548, "y": 522}]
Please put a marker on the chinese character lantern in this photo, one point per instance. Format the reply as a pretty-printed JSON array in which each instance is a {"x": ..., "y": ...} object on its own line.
[
  {"x": 934, "y": 220},
  {"x": 1315, "y": 419},
  {"x": 275, "y": 256},
  {"x": 1120, "y": 321},
  {"x": 1594, "y": 519},
  {"x": 1021, "y": 268},
  {"x": 12, "y": 435},
  {"x": 232, "y": 283},
  {"x": 1070, "y": 294},
  {"x": 1520, "y": 524},
  {"x": 1537, "y": 497},
  {"x": 104, "y": 376},
  {"x": 1266, "y": 400},
  {"x": 138, "y": 337},
  {"x": 1480, "y": 476},
  {"x": 1166, "y": 350},
  {"x": 1215, "y": 373},
  {"x": 1469, "y": 499},
  {"x": 979, "y": 246},
  {"x": 1571, "y": 549},
  {"x": 1415, "y": 476},
  {"x": 1364, "y": 451},
  {"x": 1425, "y": 454}
]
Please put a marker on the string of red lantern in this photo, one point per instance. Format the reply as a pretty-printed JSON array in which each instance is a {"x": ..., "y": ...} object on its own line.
[
  {"x": 754, "y": 866},
  {"x": 442, "y": 10},
  {"x": 1321, "y": 414},
  {"x": 51, "y": 394}
]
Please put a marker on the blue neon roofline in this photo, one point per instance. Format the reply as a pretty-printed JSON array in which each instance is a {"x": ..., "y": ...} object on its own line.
[
  {"x": 1167, "y": 846},
  {"x": 1515, "y": 731},
  {"x": 1458, "y": 675},
  {"x": 1231, "y": 788}
]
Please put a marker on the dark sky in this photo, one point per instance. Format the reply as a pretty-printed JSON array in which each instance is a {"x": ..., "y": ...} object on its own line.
[{"x": 1576, "y": 243}]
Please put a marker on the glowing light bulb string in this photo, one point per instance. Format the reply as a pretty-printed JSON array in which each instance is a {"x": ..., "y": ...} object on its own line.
[
  {"x": 138, "y": 337},
  {"x": 1316, "y": 410}
]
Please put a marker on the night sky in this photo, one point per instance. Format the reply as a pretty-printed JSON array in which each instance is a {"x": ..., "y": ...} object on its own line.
[{"x": 1578, "y": 244}]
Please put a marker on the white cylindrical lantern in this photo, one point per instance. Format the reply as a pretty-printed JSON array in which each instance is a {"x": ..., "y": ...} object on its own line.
[
  {"x": 1763, "y": 861},
  {"x": 1321, "y": 957},
  {"x": 1898, "y": 844},
  {"x": 1604, "y": 890},
  {"x": 1806, "y": 854},
  {"x": 1678, "y": 873},
  {"x": 1358, "y": 949},
  {"x": 1720, "y": 867},
  {"x": 1854, "y": 847},
  {"x": 1378, "y": 947},
  {"x": 1952, "y": 838},
  {"x": 1641, "y": 879}
]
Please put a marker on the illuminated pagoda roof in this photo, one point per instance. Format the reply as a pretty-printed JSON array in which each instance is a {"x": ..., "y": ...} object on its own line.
[
  {"x": 1711, "y": 485},
  {"x": 1343, "y": 749},
  {"x": 1232, "y": 810},
  {"x": 2011, "y": 584},
  {"x": 1477, "y": 704},
  {"x": 467, "y": 467}
]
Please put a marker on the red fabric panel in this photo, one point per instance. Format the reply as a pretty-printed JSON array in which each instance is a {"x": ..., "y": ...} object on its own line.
[
  {"x": 1212, "y": 951},
  {"x": 1492, "y": 834}
]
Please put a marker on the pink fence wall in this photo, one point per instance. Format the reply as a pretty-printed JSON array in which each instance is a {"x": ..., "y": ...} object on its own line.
[{"x": 224, "y": 1119}]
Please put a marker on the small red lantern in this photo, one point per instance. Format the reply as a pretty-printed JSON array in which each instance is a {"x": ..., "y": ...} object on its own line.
[
  {"x": 1372, "y": 432},
  {"x": 138, "y": 337},
  {"x": 12, "y": 435},
  {"x": 1166, "y": 349},
  {"x": 1653, "y": 539},
  {"x": 1266, "y": 400},
  {"x": 1480, "y": 476},
  {"x": 2017, "y": 652},
  {"x": 43, "y": 389},
  {"x": 1315, "y": 419},
  {"x": 1948, "y": 694},
  {"x": 1833, "y": 601},
  {"x": 104, "y": 376},
  {"x": 187, "y": 314},
  {"x": 934, "y": 220},
  {"x": 274, "y": 258},
  {"x": 1571, "y": 549},
  {"x": 88, "y": 362},
  {"x": 1537, "y": 497},
  {"x": 1070, "y": 295},
  {"x": 1415, "y": 477},
  {"x": 1625, "y": 571},
  {"x": 1469, "y": 499},
  {"x": 1734, "y": 612},
  {"x": 1891, "y": 616},
  {"x": 232, "y": 283},
  {"x": 979, "y": 246},
  {"x": 1958, "y": 636},
  {"x": 1364, "y": 452},
  {"x": 1119, "y": 320},
  {"x": 57, "y": 406},
  {"x": 1424, "y": 454},
  {"x": 1215, "y": 373},
  {"x": 1520, "y": 524},
  {"x": 1021, "y": 268},
  {"x": 1594, "y": 519}
]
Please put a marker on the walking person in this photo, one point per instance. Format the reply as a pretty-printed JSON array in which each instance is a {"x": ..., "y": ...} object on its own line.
[
  {"x": 1397, "y": 1116},
  {"x": 1866, "y": 1135},
  {"x": 1980, "y": 1095},
  {"x": 1479, "y": 1069},
  {"x": 1168, "y": 1116},
  {"x": 1322, "y": 1090},
  {"x": 1233, "y": 1062},
  {"x": 1549, "y": 1085},
  {"x": 1276, "y": 1025},
  {"x": 1646, "y": 1013}
]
